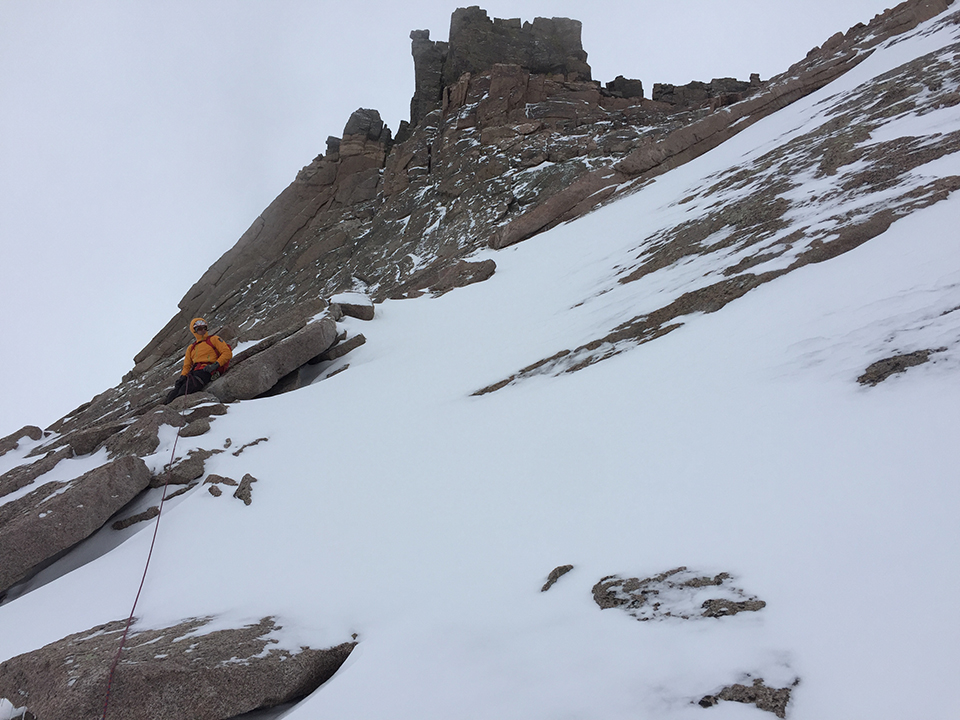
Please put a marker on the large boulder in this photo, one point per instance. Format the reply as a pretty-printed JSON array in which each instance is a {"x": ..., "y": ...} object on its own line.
[
  {"x": 175, "y": 672},
  {"x": 57, "y": 515},
  {"x": 259, "y": 373}
]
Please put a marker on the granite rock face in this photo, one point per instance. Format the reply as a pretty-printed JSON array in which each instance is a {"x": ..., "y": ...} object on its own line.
[
  {"x": 176, "y": 672},
  {"x": 57, "y": 515},
  {"x": 12, "y": 441},
  {"x": 546, "y": 46},
  {"x": 260, "y": 373}
]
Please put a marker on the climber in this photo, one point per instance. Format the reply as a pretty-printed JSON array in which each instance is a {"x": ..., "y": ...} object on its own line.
[{"x": 204, "y": 360}]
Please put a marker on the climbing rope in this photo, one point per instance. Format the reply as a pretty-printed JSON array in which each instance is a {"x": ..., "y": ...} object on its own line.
[{"x": 123, "y": 639}]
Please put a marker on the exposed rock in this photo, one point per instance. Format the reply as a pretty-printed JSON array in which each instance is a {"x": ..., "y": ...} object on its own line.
[
  {"x": 341, "y": 349},
  {"x": 185, "y": 471},
  {"x": 87, "y": 440},
  {"x": 773, "y": 700},
  {"x": 244, "y": 491},
  {"x": 219, "y": 480},
  {"x": 442, "y": 277},
  {"x": 555, "y": 575},
  {"x": 215, "y": 491},
  {"x": 625, "y": 88},
  {"x": 142, "y": 438},
  {"x": 196, "y": 428},
  {"x": 236, "y": 453},
  {"x": 176, "y": 672},
  {"x": 260, "y": 373},
  {"x": 462, "y": 274},
  {"x": 22, "y": 475},
  {"x": 148, "y": 514},
  {"x": 677, "y": 593},
  {"x": 354, "y": 305},
  {"x": 11, "y": 441},
  {"x": 549, "y": 46},
  {"x": 509, "y": 147},
  {"x": 879, "y": 371},
  {"x": 58, "y": 515},
  {"x": 716, "y": 93}
]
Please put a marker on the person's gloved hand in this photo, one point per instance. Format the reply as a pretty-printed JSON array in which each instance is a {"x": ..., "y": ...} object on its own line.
[{"x": 211, "y": 368}]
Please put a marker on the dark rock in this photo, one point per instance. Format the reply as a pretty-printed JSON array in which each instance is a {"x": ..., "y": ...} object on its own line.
[
  {"x": 550, "y": 46},
  {"x": 625, "y": 88},
  {"x": 674, "y": 594},
  {"x": 147, "y": 514},
  {"x": 355, "y": 306},
  {"x": 215, "y": 491},
  {"x": 244, "y": 491},
  {"x": 11, "y": 441},
  {"x": 236, "y": 453},
  {"x": 219, "y": 480},
  {"x": 722, "y": 607},
  {"x": 341, "y": 349},
  {"x": 772, "y": 700},
  {"x": 261, "y": 372},
  {"x": 175, "y": 672},
  {"x": 879, "y": 371},
  {"x": 462, "y": 274},
  {"x": 58, "y": 515},
  {"x": 185, "y": 471},
  {"x": 555, "y": 575}
]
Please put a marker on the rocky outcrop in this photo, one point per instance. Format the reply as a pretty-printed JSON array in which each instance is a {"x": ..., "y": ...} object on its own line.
[
  {"x": 546, "y": 46},
  {"x": 677, "y": 593},
  {"x": 879, "y": 371},
  {"x": 257, "y": 375},
  {"x": 181, "y": 671},
  {"x": 12, "y": 441},
  {"x": 57, "y": 515},
  {"x": 772, "y": 700},
  {"x": 555, "y": 574},
  {"x": 716, "y": 93}
]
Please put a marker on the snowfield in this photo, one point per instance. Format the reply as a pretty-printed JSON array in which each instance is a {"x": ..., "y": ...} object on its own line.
[{"x": 392, "y": 504}]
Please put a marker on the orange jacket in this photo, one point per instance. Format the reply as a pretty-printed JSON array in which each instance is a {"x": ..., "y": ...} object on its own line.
[{"x": 202, "y": 352}]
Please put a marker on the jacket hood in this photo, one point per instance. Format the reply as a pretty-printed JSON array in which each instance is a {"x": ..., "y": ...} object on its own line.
[{"x": 197, "y": 335}]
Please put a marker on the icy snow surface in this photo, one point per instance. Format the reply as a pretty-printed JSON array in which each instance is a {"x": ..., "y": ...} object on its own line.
[{"x": 392, "y": 504}]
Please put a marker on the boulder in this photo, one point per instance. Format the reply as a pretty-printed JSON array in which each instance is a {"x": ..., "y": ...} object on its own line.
[
  {"x": 354, "y": 305},
  {"x": 463, "y": 273},
  {"x": 12, "y": 441},
  {"x": 174, "y": 672},
  {"x": 58, "y": 515},
  {"x": 142, "y": 438},
  {"x": 245, "y": 489},
  {"x": 340, "y": 349},
  {"x": 259, "y": 373}
]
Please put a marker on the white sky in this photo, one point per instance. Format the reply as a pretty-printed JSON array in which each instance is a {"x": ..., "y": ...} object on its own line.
[{"x": 139, "y": 140}]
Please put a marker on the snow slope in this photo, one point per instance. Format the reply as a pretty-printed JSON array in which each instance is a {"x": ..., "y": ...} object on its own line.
[{"x": 393, "y": 504}]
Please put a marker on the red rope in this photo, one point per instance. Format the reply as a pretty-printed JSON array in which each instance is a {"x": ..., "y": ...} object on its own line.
[{"x": 123, "y": 640}]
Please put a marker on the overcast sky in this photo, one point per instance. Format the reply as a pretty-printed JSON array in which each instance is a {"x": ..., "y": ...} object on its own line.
[{"x": 138, "y": 140}]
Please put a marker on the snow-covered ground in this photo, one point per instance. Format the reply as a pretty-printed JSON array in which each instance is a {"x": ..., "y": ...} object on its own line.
[{"x": 393, "y": 504}]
